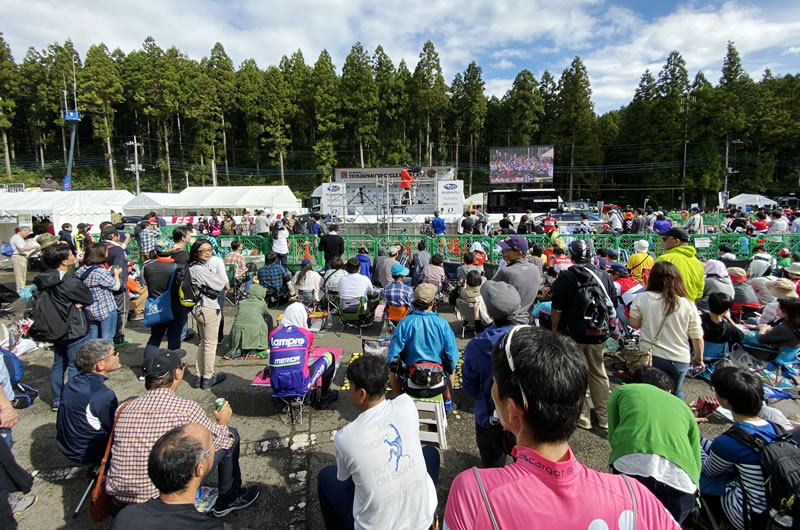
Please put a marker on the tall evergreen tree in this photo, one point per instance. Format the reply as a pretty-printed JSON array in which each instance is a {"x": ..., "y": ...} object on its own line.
[
  {"x": 8, "y": 91},
  {"x": 220, "y": 70},
  {"x": 359, "y": 97},
  {"x": 475, "y": 110},
  {"x": 325, "y": 87},
  {"x": 430, "y": 91},
  {"x": 276, "y": 106}
]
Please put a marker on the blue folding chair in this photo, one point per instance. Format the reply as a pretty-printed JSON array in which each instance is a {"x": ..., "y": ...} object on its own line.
[{"x": 714, "y": 351}]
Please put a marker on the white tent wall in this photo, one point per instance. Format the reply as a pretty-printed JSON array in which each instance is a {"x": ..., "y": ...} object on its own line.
[{"x": 203, "y": 200}]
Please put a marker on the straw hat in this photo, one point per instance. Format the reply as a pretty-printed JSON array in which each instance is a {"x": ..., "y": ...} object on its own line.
[{"x": 782, "y": 288}]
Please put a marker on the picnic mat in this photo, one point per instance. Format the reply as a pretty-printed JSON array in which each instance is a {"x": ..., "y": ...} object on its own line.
[
  {"x": 457, "y": 378},
  {"x": 316, "y": 353}
]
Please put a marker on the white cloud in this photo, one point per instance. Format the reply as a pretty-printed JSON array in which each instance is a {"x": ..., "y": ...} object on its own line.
[
  {"x": 498, "y": 87},
  {"x": 503, "y": 64},
  {"x": 794, "y": 50}
]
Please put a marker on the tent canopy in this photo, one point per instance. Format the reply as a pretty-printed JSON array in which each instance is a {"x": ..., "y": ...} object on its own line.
[
  {"x": 64, "y": 203},
  {"x": 146, "y": 202},
  {"x": 750, "y": 199},
  {"x": 269, "y": 197}
]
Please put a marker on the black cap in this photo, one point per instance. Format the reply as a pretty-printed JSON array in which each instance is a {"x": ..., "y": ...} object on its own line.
[
  {"x": 677, "y": 233},
  {"x": 162, "y": 362}
]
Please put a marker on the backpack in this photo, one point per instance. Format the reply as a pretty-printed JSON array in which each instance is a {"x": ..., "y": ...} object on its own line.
[
  {"x": 591, "y": 309},
  {"x": 780, "y": 464},
  {"x": 300, "y": 227},
  {"x": 48, "y": 323},
  {"x": 190, "y": 294},
  {"x": 7, "y": 249},
  {"x": 24, "y": 395}
]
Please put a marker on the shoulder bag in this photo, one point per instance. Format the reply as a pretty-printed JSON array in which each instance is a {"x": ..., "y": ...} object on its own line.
[
  {"x": 159, "y": 309},
  {"x": 635, "y": 359},
  {"x": 99, "y": 504}
]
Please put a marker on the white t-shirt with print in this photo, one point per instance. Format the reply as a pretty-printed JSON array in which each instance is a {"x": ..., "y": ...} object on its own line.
[{"x": 382, "y": 453}]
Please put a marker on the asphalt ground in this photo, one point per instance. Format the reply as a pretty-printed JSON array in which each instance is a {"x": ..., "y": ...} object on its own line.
[{"x": 283, "y": 460}]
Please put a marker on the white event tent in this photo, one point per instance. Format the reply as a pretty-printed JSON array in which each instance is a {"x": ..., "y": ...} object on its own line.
[
  {"x": 83, "y": 206},
  {"x": 150, "y": 202},
  {"x": 750, "y": 199},
  {"x": 204, "y": 199}
]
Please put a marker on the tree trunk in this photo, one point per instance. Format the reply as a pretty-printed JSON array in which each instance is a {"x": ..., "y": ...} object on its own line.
[
  {"x": 361, "y": 152},
  {"x": 13, "y": 151},
  {"x": 158, "y": 143},
  {"x": 471, "y": 160},
  {"x": 280, "y": 157},
  {"x": 169, "y": 166},
  {"x": 458, "y": 136},
  {"x": 41, "y": 154},
  {"x": 149, "y": 135},
  {"x": 213, "y": 165},
  {"x": 7, "y": 155},
  {"x": 571, "y": 163},
  {"x": 180, "y": 134},
  {"x": 77, "y": 144},
  {"x": 225, "y": 150},
  {"x": 108, "y": 154}
]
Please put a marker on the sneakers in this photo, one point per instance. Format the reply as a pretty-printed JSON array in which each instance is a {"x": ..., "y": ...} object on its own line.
[
  {"x": 247, "y": 496},
  {"x": 20, "y": 505},
  {"x": 189, "y": 336},
  {"x": 196, "y": 380},
  {"x": 584, "y": 423},
  {"x": 137, "y": 316},
  {"x": 215, "y": 379},
  {"x": 326, "y": 400},
  {"x": 123, "y": 342},
  {"x": 141, "y": 377}
]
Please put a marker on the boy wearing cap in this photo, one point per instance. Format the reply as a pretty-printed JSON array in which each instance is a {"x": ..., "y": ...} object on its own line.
[
  {"x": 502, "y": 303},
  {"x": 145, "y": 419},
  {"x": 523, "y": 275},
  {"x": 422, "y": 339},
  {"x": 684, "y": 256},
  {"x": 397, "y": 293}
]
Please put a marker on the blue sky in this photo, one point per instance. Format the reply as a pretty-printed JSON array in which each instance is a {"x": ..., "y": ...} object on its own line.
[{"x": 617, "y": 40}]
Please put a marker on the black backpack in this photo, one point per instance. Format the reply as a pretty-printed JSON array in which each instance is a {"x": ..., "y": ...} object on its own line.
[
  {"x": 780, "y": 464},
  {"x": 591, "y": 313},
  {"x": 49, "y": 324},
  {"x": 190, "y": 294},
  {"x": 300, "y": 227}
]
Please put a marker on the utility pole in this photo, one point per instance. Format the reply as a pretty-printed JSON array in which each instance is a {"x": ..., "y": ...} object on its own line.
[{"x": 135, "y": 167}]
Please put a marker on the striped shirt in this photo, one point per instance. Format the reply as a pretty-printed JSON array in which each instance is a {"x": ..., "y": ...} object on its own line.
[
  {"x": 724, "y": 460},
  {"x": 100, "y": 282},
  {"x": 140, "y": 425}
]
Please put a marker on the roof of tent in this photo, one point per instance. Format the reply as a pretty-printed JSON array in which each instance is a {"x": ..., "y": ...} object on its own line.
[
  {"x": 82, "y": 202},
  {"x": 144, "y": 201},
  {"x": 272, "y": 197},
  {"x": 752, "y": 199}
]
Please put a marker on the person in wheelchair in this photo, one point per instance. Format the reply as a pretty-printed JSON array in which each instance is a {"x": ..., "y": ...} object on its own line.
[
  {"x": 290, "y": 365},
  {"x": 250, "y": 331},
  {"x": 423, "y": 354}
]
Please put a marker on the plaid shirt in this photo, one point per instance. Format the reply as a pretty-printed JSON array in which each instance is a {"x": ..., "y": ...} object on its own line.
[
  {"x": 147, "y": 240},
  {"x": 236, "y": 259},
  {"x": 140, "y": 425},
  {"x": 100, "y": 283},
  {"x": 273, "y": 277},
  {"x": 398, "y": 294}
]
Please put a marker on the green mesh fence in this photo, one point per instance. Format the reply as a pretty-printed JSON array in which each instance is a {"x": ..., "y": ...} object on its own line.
[
  {"x": 742, "y": 245},
  {"x": 793, "y": 243},
  {"x": 706, "y": 245},
  {"x": 409, "y": 242},
  {"x": 305, "y": 246},
  {"x": 452, "y": 248},
  {"x": 249, "y": 244},
  {"x": 352, "y": 243},
  {"x": 772, "y": 243},
  {"x": 626, "y": 242}
]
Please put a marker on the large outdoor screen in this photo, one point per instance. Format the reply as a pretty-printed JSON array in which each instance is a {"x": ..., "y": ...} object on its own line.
[{"x": 521, "y": 165}]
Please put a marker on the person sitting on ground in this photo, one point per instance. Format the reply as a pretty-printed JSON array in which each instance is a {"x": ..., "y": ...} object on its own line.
[
  {"x": 601, "y": 259},
  {"x": 640, "y": 260},
  {"x": 784, "y": 258},
  {"x": 275, "y": 278},
  {"x": 784, "y": 331},
  {"x": 352, "y": 493},
  {"x": 502, "y": 303},
  {"x": 469, "y": 265},
  {"x": 661, "y": 450},
  {"x": 291, "y": 368},
  {"x": 684, "y": 256},
  {"x": 87, "y": 408},
  {"x": 523, "y": 275},
  {"x": 760, "y": 253},
  {"x": 423, "y": 344},
  {"x": 397, "y": 294},
  {"x": 331, "y": 277},
  {"x": 717, "y": 280},
  {"x": 383, "y": 269},
  {"x": 177, "y": 465},
  {"x": 612, "y": 254},
  {"x": 137, "y": 291},
  {"x": 744, "y": 297},
  {"x": 366, "y": 263},
  {"x": 718, "y": 327},
  {"x": 725, "y": 252},
  {"x": 307, "y": 279},
  {"x": 536, "y": 257},
  {"x": 145, "y": 419},
  {"x": 728, "y": 465},
  {"x": 627, "y": 289},
  {"x": 560, "y": 261},
  {"x": 760, "y": 275},
  {"x": 421, "y": 260},
  {"x": 434, "y": 273},
  {"x": 250, "y": 331},
  {"x": 540, "y": 380}
]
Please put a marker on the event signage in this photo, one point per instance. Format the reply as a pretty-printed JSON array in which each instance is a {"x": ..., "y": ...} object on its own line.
[
  {"x": 450, "y": 199},
  {"x": 370, "y": 175}
]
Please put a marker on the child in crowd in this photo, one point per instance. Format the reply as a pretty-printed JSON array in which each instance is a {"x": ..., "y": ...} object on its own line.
[{"x": 717, "y": 324}]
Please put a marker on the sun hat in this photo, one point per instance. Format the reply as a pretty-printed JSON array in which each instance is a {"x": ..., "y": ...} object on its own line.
[
  {"x": 782, "y": 288},
  {"x": 641, "y": 246}
]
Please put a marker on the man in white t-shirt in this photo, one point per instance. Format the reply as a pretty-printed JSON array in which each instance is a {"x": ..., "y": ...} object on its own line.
[
  {"x": 383, "y": 477},
  {"x": 22, "y": 249},
  {"x": 354, "y": 285}
]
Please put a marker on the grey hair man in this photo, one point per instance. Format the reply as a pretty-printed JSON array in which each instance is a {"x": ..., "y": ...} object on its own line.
[{"x": 87, "y": 408}]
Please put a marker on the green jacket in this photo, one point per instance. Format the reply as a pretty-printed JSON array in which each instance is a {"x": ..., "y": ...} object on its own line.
[
  {"x": 644, "y": 419},
  {"x": 692, "y": 271},
  {"x": 250, "y": 331}
]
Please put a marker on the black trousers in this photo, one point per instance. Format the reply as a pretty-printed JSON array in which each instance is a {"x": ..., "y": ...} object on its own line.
[{"x": 494, "y": 444}]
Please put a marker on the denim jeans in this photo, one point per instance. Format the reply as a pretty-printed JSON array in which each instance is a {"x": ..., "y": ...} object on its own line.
[
  {"x": 123, "y": 302},
  {"x": 283, "y": 259},
  {"x": 229, "y": 475},
  {"x": 336, "y": 496},
  {"x": 5, "y": 436},
  {"x": 103, "y": 329},
  {"x": 174, "y": 330},
  {"x": 63, "y": 353},
  {"x": 677, "y": 371}
]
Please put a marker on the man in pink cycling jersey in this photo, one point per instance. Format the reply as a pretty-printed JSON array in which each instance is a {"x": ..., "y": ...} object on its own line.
[{"x": 540, "y": 380}]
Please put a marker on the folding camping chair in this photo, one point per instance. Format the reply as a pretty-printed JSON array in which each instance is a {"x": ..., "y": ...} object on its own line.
[
  {"x": 236, "y": 293},
  {"x": 354, "y": 313},
  {"x": 294, "y": 403}
]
